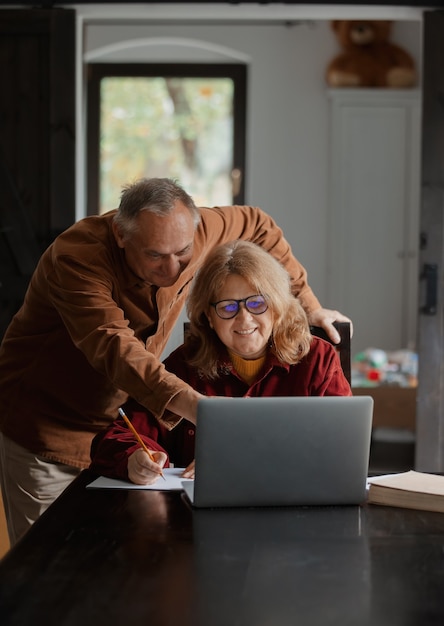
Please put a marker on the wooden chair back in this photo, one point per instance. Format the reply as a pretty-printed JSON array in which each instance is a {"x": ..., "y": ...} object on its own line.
[{"x": 343, "y": 348}]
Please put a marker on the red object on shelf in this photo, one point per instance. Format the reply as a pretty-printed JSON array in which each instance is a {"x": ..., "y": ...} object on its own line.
[{"x": 374, "y": 375}]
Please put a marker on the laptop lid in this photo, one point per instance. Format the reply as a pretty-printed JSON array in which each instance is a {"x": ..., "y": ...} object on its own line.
[{"x": 281, "y": 451}]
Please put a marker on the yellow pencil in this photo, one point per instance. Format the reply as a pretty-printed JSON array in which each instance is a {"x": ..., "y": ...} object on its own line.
[{"x": 139, "y": 438}]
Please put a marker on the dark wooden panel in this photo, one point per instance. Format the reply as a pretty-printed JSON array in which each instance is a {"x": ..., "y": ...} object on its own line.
[
  {"x": 62, "y": 120},
  {"x": 430, "y": 403},
  {"x": 37, "y": 151},
  {"x": 414, "y": 3}
]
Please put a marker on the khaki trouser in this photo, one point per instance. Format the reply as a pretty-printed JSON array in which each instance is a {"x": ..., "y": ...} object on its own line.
[{"x": 29, "y": 484}]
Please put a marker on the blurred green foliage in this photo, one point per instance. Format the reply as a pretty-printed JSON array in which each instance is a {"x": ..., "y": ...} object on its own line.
[{"x": 181, "y": 128}]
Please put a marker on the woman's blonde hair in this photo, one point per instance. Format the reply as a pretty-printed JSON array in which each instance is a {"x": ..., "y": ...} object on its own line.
[{"x": 291, "y": 337}]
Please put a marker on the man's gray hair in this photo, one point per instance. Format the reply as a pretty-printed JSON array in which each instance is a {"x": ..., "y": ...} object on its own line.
[{"x": 156, "y": 195}]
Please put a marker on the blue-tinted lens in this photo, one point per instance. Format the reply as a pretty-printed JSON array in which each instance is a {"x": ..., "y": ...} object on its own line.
[
  {"x": 256, "y": 304},
  {"x": 228, "y": 307}
]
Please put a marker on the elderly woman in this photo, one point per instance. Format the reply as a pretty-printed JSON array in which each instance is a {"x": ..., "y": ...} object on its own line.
[{"x": 248, "y": 336}]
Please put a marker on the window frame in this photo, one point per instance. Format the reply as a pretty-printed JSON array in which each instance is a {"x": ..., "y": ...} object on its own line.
[{"x": 96, "y": 71}]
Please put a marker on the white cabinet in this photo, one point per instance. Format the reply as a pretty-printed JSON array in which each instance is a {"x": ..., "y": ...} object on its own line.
[{"x": 374, "y": 194}]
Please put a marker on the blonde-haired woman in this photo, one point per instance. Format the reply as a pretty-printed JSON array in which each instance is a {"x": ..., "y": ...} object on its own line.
[{"x": 248, "y": 336}]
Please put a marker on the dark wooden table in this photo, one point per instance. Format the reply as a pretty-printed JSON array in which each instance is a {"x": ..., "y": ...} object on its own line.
[{"x": 144, "y": 557}]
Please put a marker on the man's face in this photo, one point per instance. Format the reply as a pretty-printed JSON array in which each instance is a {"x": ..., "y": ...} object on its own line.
[{"x": 162, "y": 246}]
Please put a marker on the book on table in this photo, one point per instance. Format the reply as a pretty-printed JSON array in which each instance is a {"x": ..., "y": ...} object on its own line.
[{"x": 410, "y": 490}]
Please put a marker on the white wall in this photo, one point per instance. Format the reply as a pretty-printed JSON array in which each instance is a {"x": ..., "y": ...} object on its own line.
[{"x": 287, "y": 128}]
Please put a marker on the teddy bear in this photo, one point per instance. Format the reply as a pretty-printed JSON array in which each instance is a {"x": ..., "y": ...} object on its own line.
[{"x": 368, "y": 58}]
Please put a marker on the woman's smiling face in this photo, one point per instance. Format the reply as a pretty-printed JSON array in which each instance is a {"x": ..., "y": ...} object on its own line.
[{"x": 245, "y": 334}]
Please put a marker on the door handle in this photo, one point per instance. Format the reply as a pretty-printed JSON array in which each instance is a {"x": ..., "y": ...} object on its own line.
[
  {"x": 236, "y": 181},
  {"x": 430, "y": 275}
]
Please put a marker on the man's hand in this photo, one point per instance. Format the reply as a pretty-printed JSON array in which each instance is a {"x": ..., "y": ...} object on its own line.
[
  {"x": 325, "y": 318},
  {"x": 142, "y": 470}
]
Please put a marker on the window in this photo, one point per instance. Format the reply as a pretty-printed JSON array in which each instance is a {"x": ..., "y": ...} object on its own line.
[{"x": 185, "y": 122}]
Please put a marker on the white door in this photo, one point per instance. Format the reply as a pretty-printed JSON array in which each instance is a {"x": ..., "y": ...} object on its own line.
[{"x": 375, "y": 145}]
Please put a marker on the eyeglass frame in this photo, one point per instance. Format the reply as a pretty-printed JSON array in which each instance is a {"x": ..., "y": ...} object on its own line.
[{"x": 238, "y": 303}]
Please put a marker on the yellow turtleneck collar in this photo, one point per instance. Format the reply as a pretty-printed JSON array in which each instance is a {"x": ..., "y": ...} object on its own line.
[{"x": 248, "y": 369}]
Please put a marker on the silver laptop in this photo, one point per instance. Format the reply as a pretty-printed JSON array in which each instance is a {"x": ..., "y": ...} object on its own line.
[{"x": 281, "y": 451}]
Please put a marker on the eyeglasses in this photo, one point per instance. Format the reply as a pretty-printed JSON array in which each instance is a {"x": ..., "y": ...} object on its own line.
[{"x": 227, "y": 309}]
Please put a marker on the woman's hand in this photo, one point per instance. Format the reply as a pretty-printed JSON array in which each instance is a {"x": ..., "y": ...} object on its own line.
[
  {"x": 142, "y": 470},
  {"x": 189, "y": 471}
]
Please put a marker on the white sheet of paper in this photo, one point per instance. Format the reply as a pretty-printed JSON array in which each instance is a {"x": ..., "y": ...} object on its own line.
[{"x": 173, "y": 482}]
